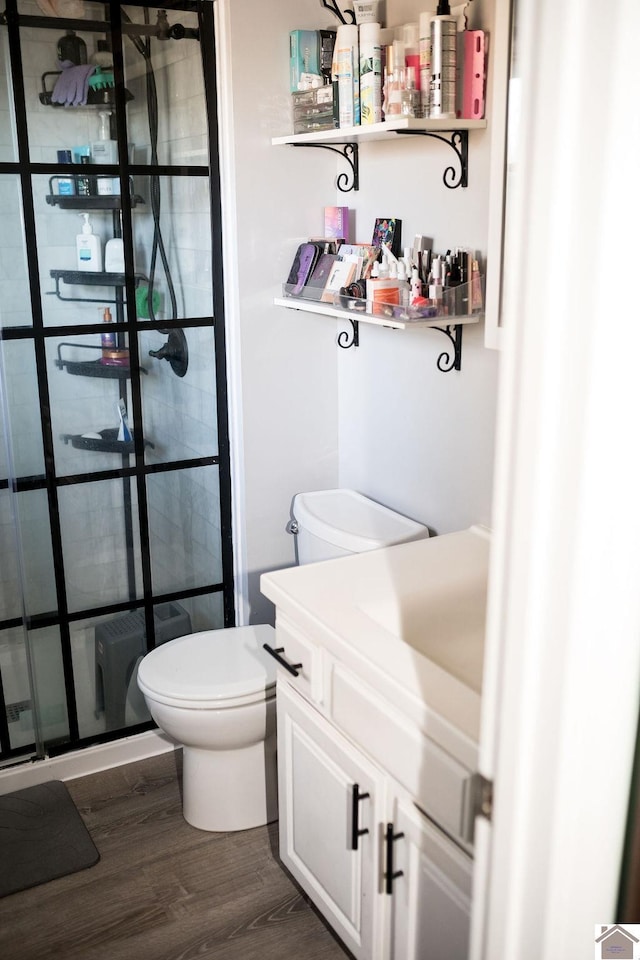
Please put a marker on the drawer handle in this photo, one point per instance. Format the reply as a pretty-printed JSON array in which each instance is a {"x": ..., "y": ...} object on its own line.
[
  {"x": 389, "y": 875},
  {"x": 356, "y": 797},
  {"x": 291, "y": 667}
]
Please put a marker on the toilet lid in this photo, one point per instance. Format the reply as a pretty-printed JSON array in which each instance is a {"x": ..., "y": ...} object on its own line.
[{"x": 214, "y": 665}]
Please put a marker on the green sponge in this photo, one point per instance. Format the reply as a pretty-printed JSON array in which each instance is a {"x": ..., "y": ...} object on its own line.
[{"x": 142, "y": 301}]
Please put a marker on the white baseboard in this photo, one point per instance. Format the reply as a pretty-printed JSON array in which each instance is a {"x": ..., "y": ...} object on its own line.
[{"x": 80, "y": 763}]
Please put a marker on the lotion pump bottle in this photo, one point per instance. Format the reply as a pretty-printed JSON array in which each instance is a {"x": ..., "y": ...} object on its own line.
[
  {"x": 88, "y": 248},
  {"x": 105, "y": 150}
]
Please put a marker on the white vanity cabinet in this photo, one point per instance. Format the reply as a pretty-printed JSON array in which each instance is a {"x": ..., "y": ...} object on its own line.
[
  {"x": 354, "y": 777},
  {"x": 378, "y": 698},
  {"x": 331, "y": 804},
  {"x": 430, "y": 881}
]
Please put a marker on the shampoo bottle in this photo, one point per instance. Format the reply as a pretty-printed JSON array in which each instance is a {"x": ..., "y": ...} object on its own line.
[
  {"x": 108, "y": 338},
  {"x": 88, "y": 248},
  {"x": 112, "y": 354}
]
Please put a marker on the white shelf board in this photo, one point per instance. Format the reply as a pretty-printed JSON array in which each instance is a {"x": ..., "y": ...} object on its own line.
[
  {"x": 328, "y": 310},
  {"x": 381, "y": 131}
]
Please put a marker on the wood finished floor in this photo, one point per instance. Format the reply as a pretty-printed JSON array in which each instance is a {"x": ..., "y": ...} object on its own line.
[{"x": 162, "y": 889}]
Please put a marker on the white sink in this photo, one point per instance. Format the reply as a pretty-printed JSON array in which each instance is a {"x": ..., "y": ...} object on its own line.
[{"x": 448, "y": 628}]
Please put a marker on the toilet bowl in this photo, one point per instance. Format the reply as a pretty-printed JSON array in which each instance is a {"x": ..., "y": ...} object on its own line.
[{"x": 214, "y": 693}]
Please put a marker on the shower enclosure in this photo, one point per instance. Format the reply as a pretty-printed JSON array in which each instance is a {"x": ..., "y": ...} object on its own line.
[{"x": 113, "y": 536}]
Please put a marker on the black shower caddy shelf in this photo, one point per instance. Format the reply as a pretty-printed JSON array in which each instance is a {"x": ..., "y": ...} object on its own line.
[
  {"x": 108, "y": 442},
  {"x": 93, "y": 368},
  {"x": 94, "y": 202},
  {"x": 88, "y": 278}
]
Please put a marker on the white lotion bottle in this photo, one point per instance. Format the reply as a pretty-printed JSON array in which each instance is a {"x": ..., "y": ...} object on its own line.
[
  {"x": 88, "y": 248},
  {"x": 105, "y": 150}
]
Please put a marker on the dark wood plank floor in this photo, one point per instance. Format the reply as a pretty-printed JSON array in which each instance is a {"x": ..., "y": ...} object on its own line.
[{"x": 162, "y": 889}]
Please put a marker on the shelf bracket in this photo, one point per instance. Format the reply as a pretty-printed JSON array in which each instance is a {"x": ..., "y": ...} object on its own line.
[
  {"x": 349, "y": 338},
  {"x": 447, "y": 361},
  {"x": 459, "y": 143},
  {"x": 333, "y": 7},
  {"x": 349, "y": 151}
]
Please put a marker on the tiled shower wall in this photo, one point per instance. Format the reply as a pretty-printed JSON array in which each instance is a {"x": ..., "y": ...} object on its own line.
[{"x": 179, "y": 414}]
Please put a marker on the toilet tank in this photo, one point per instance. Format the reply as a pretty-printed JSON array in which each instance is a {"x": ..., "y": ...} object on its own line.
[{"x": 336, "y": 523}]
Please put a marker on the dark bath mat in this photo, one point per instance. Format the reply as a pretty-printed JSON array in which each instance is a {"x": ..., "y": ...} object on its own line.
[{"x": 42, "y": 837}]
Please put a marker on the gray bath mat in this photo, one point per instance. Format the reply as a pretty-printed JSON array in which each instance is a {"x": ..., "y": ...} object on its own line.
[{"x": 42, "y": 837}]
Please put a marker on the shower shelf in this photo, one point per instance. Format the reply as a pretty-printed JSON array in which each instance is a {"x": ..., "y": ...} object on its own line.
[
  {"x": 88, "y": 278},
  {"x": 107, "y": 442},
  {"x": 95, "y": 368},
  {"x": 94, "y": 202}
]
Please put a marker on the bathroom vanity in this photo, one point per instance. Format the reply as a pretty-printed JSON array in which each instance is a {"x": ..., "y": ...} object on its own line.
[{"x": 378, "y": 698}]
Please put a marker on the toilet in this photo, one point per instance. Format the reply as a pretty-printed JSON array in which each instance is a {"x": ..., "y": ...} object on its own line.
[{"x": 214, "y": 691}]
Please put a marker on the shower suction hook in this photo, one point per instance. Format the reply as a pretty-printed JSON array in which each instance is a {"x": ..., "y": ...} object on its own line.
[{"x": 175, "y": 350}]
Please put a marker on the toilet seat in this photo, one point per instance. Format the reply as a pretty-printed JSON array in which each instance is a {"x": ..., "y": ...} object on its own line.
[{"x": 215, "y": 668}]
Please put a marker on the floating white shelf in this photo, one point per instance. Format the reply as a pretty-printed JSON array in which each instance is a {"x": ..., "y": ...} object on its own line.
[
  {"x": 381, "y": 131},
  {"x": 328, "y": 310}
]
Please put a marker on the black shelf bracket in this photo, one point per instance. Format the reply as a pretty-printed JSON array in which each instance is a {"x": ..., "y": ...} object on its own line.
[
  {"x": 333, "y": 8},
  {"x": 459, "y": 143},
  {"x": 446, "y": 360},
  {"x": 345, "y": 182},
  {"x": 349, "y": 338}
]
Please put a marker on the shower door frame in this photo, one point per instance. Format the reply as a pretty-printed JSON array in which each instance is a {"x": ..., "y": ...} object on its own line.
[{"x": 25, "y": 170}]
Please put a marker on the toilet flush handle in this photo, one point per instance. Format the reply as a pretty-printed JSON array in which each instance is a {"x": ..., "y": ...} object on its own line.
[{"x": 292, "y": 526}]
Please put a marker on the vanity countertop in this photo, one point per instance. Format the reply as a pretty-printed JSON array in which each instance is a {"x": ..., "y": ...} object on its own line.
[{"x": 412, "y": 615}]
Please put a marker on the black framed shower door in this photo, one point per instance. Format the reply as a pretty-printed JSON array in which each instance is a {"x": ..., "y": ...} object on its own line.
[{"x": 115, "y": 491}]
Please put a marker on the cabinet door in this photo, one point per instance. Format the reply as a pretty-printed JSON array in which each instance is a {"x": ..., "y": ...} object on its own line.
[
  {"x": 318, "y": 772},
  {"x": 431, "y": 897}
]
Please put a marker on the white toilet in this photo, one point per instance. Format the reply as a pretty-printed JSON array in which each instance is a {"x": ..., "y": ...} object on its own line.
[{"x": 214, "y": 692}]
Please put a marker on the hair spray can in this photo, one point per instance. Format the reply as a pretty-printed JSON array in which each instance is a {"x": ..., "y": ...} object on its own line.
[
  {"x": 442, "y": 100},
  {"x": 348, "y": 68}
]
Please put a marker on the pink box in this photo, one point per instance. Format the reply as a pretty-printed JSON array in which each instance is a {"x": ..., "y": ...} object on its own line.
[
  {"x": 336, "y": 222},
  {"x": 474, "y": 75}
]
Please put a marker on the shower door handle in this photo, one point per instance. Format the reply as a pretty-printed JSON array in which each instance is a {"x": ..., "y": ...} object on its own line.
[{"x": 293, "y": 668}]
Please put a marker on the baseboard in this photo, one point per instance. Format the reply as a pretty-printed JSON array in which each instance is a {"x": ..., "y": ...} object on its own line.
[{"x": 80, "y": 763}]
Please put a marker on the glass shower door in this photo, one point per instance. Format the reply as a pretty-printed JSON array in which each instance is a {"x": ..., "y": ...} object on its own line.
[{"x": 115, "y": 498}]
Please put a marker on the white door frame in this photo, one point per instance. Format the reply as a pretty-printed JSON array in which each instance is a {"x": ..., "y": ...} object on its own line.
[{"x": 563, "y": 660}]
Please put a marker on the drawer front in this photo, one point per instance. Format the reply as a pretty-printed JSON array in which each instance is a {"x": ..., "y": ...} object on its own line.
[
  {"x": 303, "y": 659},
  {"x": 439, "y": 784}
]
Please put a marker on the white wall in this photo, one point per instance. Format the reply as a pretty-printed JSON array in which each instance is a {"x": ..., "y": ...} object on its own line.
[
  {"x": 379, "y": 418},
  {"x": 283, "y": 365},
  {"x": 419, "y": 440}
]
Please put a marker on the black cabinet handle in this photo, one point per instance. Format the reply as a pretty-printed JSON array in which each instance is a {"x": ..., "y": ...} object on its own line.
[
  {"x": 389, "y": 874},
  {"x": 291, "y": 667},
  {"x": 356, "y": 797}
]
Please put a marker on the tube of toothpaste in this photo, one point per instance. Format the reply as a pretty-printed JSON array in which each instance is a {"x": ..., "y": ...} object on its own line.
[{"x": 124, "y": 434}]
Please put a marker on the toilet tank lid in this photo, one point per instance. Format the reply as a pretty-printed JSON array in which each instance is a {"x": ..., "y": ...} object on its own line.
[
  {"x": 351, "y": 521},
  {"x": 213, "y": 665}
]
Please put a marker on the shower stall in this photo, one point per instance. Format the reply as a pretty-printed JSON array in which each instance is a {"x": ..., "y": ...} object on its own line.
[{"x": 115, "y": 494}]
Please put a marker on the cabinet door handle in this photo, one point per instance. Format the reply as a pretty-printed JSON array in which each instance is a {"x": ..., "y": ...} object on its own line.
[
  {"x": 356, "y": 797},
  {"x": 389, "y": 874},
  {"x": 291, "y": 667}
]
